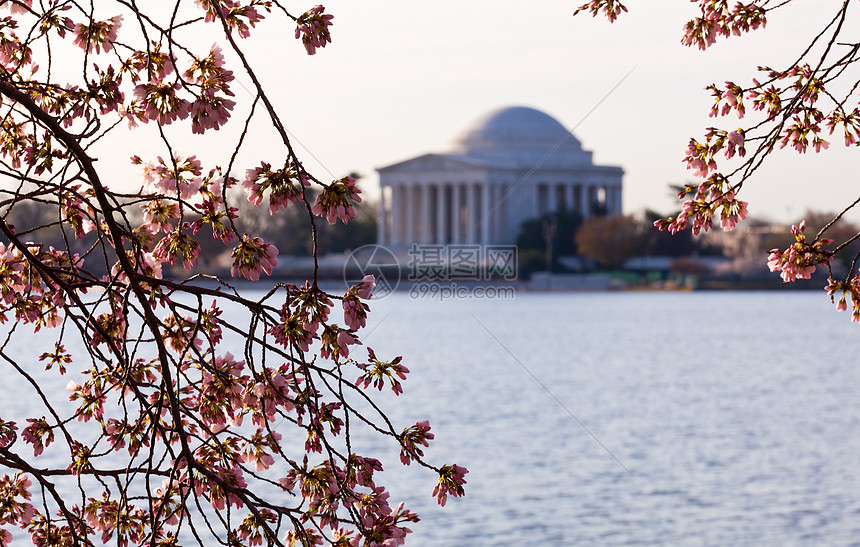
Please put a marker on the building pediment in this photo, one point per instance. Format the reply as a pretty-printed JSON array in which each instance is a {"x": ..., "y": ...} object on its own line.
[{"x": 435, "y": 162}]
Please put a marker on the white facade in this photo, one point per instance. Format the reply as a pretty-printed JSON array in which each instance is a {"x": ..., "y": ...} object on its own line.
[{"x": 509, "y": 166}]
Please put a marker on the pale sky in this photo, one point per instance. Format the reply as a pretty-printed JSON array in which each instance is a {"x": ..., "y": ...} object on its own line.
[{"x": 402, "y": 78}]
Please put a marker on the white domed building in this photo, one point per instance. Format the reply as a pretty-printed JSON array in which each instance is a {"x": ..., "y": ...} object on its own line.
[{"x": 508, "y": 166}]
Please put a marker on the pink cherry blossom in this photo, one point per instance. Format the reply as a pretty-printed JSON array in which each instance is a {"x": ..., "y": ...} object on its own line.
[
  {"x": 378, "y": 372},
  {"x": 284, "y": 186},
  {"x": 735, "y": 143},
  {"x": 335, "y": 342},
  {"x": 98, "y": 35},
  {"x": 354, "y": 310},
  {"x": 179, "y": 177},
  {"x": 699, "y": 159},
  {"x": 209, "y": 111},
  {"x": 158, "y": 214},
  {"x": 312, "y": 28},
  {"x": 610, "y": 8},
  {"x": 800, "y": 259},
  {"x": 412, "y": 439},
  {"x": 15, "y": 494},
  {"x": 451, "y": 481},
  {"x": 17, "y": 8},
  {"x": 160, "y": 102},
  {"x": 335, "y": 201},
  {"x": 39, "y": 434},
  {"x": 155, "y": 380},
  {"x": 292, "y": 330},
  {"x": 252, "y": 256},
  {"x": 733, "y": 211},
  {"x": 177, "y": 245}
]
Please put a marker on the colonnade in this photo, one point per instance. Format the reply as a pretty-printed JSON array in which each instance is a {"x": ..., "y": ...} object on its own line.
[
  {"x": 479, "y": 212},
  {"x": 457, "y": 213}
]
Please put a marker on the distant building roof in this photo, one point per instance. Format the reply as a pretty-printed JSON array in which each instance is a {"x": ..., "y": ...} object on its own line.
[{"x": 520, "y": 137}]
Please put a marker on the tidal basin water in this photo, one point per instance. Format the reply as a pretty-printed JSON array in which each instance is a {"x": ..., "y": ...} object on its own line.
[
  {"x": 633, "y": 418},
  {"x": 625, "y": 418}
]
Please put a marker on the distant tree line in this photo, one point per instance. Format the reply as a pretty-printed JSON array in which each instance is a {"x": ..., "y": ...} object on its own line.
[
  {"x": 289, "y": 231},
  {"x": 608, "y": 242}
]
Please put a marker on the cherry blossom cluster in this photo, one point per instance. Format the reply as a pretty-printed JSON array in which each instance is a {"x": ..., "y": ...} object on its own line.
[
  {"x": 158, "y": 215},
  {"x": 178, "y": 177},
  {"x": 23, "y": 292},
  {"x": 451, "y": 481},
  {"x": 222, "y": 394},
  {"x": 319, "y": 486},
  {"x": 849, "y": 122},
  {"x": 801, "y": 125},
  {"x": 799, "y": 260},
  {"x": 799, "y": 106},
  {"x": 177, "y": 245},
  {"x": 212, "y": 207},
  {"x": 252, "y": 256},
  {"x": 800, "y": 130},
  {"x": 335, "y": 342},
  {"x": 210, "y": 110},
  {"x": 237, "y": 16},
  {"x": 804, "y": 129},
  {"x": 163, "y": 97},
  {"x": 354, "y": 310},
  {"x": 766, "y": 97},
  {"x": 96, "y": 36},
  {"x": 609, "y": 8},
  {"x": 698, "y": 212},
  {"x": 75, "y": 210},
  {"x": 151, "y": 373},
  {"x": 14, "y": 53},
  {"x": 727, "y": 99},
  {"x": 848, "y": 288},
  {"x": 335, "y": 201},
  {"x": 718, "y": 19},
  {"x": 412, "y": 439},
  {"x": 378, "y": 372},
  {"x": 283, "y": 186},
  {"x": 7, "y": 433},
  {"x": 313, "y": 29},
  {"x": 15, "y": 506}
]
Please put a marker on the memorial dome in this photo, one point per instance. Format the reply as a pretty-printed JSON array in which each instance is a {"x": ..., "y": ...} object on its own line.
[{"x": 521, "y": 136}]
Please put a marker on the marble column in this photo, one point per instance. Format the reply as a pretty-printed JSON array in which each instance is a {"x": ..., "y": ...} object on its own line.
[
  {"x": 501, "y": 213},
  {"x": 616, "y": 200},
  {"x": 382, "y": 221},
  {"x": 408, "y": 215},
  {"x": 455, "y": 213},
  {"x": 569, "y": 202},
  {"x": 441, "y": 216},
  {"x": 472, "y": 218},
  {"x": 396, "y": 214},
  {"x": 485, "y": 218},
  {"x": 424, "y": 205},
  {"x": 585, "y": 202}
]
